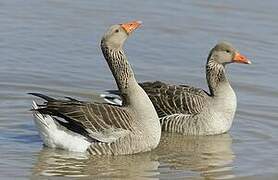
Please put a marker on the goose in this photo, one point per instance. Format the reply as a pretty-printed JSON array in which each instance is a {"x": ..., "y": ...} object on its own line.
[
  {"x": 193, "y": 111},
  {"x": 99, "y": 128}
]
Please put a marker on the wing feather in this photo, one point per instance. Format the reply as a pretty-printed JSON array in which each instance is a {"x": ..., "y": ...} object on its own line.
[
  {"x": 175, "y": 99},
  {"x": 102, "y": 122}
]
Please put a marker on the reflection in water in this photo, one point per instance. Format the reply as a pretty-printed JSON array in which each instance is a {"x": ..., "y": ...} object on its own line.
[
  {"x": 209, "y": 157},
  {"x": 53, "y": 162}
]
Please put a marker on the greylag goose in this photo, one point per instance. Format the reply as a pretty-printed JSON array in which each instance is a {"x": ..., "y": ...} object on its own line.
[
  {"x": 193, "y": 111},
  {"x": 99, "y": 128}
]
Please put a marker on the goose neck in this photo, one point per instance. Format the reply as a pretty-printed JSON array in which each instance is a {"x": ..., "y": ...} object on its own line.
[
  {"x": 119, "y": 66},
  {"x": 216, "y": 78}
]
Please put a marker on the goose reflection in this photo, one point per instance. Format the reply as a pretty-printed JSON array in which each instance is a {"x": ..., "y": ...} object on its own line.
[
  {"x": 53, "y": 162},
  {"x": 209, "y": 157},
  {"x": 205, "y": 156}
]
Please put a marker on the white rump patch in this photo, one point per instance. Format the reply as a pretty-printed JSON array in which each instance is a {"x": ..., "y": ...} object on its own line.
[{"x": 55, "y": 136}]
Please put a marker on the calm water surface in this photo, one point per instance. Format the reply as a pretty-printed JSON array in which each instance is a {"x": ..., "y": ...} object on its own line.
[{"x": 52, "y": 47}]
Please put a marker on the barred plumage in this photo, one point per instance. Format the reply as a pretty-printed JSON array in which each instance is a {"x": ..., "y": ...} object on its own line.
[{"x": 174, "y": 99}]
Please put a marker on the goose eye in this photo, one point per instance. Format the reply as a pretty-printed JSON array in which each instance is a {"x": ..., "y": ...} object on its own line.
[
  {"x": 117, "y": 30},
  {"x": 228, "y": 51}
]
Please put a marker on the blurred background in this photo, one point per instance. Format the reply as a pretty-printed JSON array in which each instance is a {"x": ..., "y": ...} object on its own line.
[{"x": 52, "y": 47}]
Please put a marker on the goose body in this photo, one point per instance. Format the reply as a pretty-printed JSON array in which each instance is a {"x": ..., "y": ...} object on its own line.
[
  {"x": 193, "y": 111},
  {"x": 99, "y": 128}
]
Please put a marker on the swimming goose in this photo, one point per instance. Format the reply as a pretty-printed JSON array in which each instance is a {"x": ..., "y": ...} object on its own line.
[
  {"x": 193, "y": 111},
  {"x": 98, "y": 128}
]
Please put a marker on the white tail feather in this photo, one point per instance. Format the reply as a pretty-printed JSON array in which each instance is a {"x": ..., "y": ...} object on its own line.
[
  {"x": 111, "y": 99},
  {"x": 56, "y": 137}
]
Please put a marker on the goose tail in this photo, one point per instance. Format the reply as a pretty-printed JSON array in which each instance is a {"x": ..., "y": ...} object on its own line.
[{"x": 55, "y": 136}]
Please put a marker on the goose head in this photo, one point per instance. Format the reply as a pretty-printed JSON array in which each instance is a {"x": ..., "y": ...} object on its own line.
[
  {"x": 224, "y": 53},
  {"x": 116, "y": 35}
]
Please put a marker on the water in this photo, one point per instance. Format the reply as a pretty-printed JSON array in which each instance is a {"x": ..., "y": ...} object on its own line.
[{"x": 52, "y": 47}]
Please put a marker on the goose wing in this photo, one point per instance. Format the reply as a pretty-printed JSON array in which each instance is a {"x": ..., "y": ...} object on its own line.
[
  {"x": 99, "y": 122},
  {"x": 175, "y": 99}
]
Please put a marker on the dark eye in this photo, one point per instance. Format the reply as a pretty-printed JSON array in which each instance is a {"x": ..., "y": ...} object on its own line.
[
  {"x": 117, "y": 30},
  {"x": 228, "y": 51}
]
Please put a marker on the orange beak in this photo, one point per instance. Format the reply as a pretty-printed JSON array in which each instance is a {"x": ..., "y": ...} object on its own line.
[
  {"x": 131, "y": 26},
  {"x": 241, "y": 59}
]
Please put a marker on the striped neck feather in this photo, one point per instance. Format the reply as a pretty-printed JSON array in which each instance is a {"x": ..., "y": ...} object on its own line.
[
  {"x": 215, "y": 74},
  {"x": 119, "y": 67}
]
